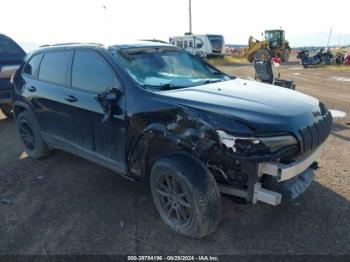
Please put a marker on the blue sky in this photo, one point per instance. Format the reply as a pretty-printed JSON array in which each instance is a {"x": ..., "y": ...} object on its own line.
[{"x": 108, "y": 21}]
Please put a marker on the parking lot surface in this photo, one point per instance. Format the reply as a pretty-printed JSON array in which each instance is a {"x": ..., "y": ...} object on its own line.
[{"x": 66, "y": 205}]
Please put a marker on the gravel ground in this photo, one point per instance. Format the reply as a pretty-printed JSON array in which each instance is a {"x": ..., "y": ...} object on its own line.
[{"x": 66, "y": 205}]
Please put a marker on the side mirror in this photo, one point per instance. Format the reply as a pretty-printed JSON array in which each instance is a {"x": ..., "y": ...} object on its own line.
[
  {"x": 108, "y": 100},
  {"x": 110, "y": 95},
  {"x": 113, "y": 94}
]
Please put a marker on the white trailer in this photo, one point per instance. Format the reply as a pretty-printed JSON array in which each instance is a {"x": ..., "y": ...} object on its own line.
[{"x": 206, "y": 45}]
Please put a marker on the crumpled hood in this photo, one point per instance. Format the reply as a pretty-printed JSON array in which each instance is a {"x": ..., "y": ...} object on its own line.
[{"x": 265, "y": 107}]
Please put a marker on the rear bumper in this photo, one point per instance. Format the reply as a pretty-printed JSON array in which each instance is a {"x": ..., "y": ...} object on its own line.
[{"x": 6, "y": 72}]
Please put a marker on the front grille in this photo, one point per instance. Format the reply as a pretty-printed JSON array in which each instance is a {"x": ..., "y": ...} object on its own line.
[
  {"x": 316, "y": 134},
  {"x": 217, "y": 42}
]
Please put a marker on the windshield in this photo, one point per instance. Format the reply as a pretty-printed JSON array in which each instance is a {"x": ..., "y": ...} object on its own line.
[
  {"x": 275, "y": 38},
  {"x": 216, "y": 41},
  {"x": 167, "y": 68}
]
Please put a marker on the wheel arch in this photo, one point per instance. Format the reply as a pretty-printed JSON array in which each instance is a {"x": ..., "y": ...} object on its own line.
[
  {"x": 19, "y": 107},
  {"x": 157, "y": 142}
]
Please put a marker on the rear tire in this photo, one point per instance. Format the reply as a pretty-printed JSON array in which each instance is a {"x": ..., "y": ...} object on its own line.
[
  {"x": 7, "y": 111},
  {"x": 186, "y": 195},
  {"x": 29, "y": 131}
]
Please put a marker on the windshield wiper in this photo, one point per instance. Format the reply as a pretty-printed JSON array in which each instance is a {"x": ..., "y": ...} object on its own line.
[
  {"x": 164, "y": 87},
  {"x": 211, "y": 81},
  {"x": 167, "y": 87}
]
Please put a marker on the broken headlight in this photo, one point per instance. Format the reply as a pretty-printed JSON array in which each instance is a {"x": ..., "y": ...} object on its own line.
[{"x": 246, "y": 145}]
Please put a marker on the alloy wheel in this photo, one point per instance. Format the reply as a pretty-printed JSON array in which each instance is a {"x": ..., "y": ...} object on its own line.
[{"x": 175, "y": 200}]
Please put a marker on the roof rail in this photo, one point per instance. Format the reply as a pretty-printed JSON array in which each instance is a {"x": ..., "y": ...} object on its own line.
[{"x": 71, "y": 43}]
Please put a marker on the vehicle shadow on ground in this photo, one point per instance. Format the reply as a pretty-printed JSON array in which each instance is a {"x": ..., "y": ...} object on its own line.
[
  {"x": 66, "y": 205},
  {"x": 9, "y": 141},
  {"x": 80, "y": 208}
]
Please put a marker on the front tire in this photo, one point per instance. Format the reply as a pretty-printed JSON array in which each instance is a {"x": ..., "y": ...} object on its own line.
[
  {"x": 7, "y": 111},
  {"x": 29, "y": 131},
  {"x": 186, "y": 195}
]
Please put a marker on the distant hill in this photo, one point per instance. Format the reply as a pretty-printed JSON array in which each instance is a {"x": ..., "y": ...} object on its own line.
[
  {"x": 235, "y": 46},
  {"x": 319, "y": 39},
  {"x": 314, "y": 40}
]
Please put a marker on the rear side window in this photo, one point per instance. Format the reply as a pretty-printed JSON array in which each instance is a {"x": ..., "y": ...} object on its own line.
[
  {"x": 90, "y": 72},
  {"x": 54, "y": 67},
  {"x": 8, "y": 47},
  {"x": 32, "y": 66}
]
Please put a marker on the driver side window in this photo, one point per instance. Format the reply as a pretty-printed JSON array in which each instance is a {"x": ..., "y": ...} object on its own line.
[{"x": 90, "y": 72}]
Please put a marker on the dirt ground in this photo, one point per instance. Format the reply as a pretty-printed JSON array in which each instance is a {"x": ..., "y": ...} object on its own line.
[
  {"x": 329, "y": 85},
  {"x": 66, "y": 205}
]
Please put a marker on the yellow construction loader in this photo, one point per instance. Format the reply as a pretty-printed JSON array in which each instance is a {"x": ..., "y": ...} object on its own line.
[{"x": 274, "y": 44}]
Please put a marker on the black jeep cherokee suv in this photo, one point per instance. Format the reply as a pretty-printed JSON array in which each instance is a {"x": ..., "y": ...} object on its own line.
[
  {"x": 11, "y": 56},
  {"x": 151, "y": 109}
]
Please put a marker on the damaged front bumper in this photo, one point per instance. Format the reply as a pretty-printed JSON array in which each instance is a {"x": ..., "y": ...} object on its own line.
[
  {"x": 276, "y": 181},
  {"x": 284, "y": 172}
]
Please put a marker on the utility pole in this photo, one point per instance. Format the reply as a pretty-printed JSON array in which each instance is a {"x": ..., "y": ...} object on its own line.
[
  {"x": 190, "y": 14},
  {"x": 329, "y": 38}
]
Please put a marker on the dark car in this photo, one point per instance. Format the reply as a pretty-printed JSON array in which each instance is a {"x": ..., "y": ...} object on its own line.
[
  {"x": 151, "y": 109},
  {"x": 316, "y": 57},
  {"x": 11, "y": 56}
]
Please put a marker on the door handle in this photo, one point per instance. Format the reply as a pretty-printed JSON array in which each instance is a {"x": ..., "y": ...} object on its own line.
[
  {"x": 71, "y": 98},
  {"x": 31, "y": 88}
]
